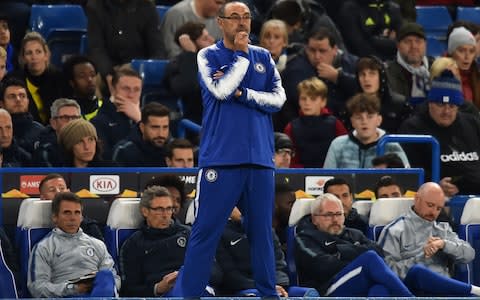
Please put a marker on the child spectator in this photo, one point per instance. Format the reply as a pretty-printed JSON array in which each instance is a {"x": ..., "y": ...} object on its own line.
[
  {"x": 315, "y": 128},
  {"x": 359, "y": 147}
]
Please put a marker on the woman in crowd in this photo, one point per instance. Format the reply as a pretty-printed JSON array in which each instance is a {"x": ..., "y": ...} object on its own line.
[{"x": 44, "y": 82}]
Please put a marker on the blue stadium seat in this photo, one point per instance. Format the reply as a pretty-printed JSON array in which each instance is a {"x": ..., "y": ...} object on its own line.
[
  {"x": 161, "y": 10},
  {"x": 123, "y": 220},
  {"x": 435, "y": 20},
  {"x": 467, "y": 13},
  {"x": 469, "y": 230},
  {"x": 8, "y": 287},
  {"x": 153, "y": 73},
  {"x": 436, "y": 47},
  {"x": 34, "y": 222},
  {"x": 384, "y": 211},
  {"x": 363, "y": 207},
  {"x": 62, "y": 26}
]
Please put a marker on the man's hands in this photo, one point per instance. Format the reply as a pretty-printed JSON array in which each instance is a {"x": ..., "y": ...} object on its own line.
[
  {"x": 432, "y": 246},
  {"x": 240, "y": 42},
  {"x": 448, "y": 187},
  {"x": 186, "y": 43},
  {"x": 327, "y": 71},
  {"x": 84, "y": 287},
  {"x": 281, "y": 291},
  {"x": 167, "y": 283},
  {"x": 129, "y": 108}
]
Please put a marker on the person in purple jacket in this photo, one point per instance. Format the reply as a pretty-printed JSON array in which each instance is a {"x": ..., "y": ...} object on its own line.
[{"x": 240, "y": 88}]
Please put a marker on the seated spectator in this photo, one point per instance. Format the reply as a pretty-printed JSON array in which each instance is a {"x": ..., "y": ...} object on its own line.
[
  {"x": 15, "y": 101},
  {"x": 372, "y": 78},
  {"x": 119, "y": 31},
  {"x": 462, "y": 48},
  {"x": 284, "y": 199},
  {"x": 233, "y": 257},
  {"x": 151, "y": 257},
  {"x": 118, "y": 115},
  {"x": 320, "y": 58},
  {"x": 443, "y": 63},
  {"x": 10, "y": 54},
  {"x": 315, "y": 128},
  {"x": 284, "y": 151},
  {"x": 389, "y": 160},
  {"x": 145, "y": 146},
  {"x": 176, "y": 188},
  {"x": 408, "y": 74},
  {"x": 80, "y": 145},
  {"x": 205, "y": 12},
  {"x": 359, "y": 147},
  {"x": 369, "y": 27},
  {"x": 179, "y": 154},
  {"x": 387, "y": 187},
  {"x": 55, "y": 183},
  {"x": 81, "y": 73},
  {"x": 420, "y": 249},
  {"x": 458, "y": 134},
  {"x": 11, "y": 154},
  {"x": 340, "y": 261},
  {"x": 181, "y": 73},
  {"x": 302, "y": 17},
  {"x": 342, "y": 189},
  {"x": 39, "y": 76},
  {"x": 47, "y": 152},
  {"x": 67, "y": 253},
  {"x": 274, "y": 38}
]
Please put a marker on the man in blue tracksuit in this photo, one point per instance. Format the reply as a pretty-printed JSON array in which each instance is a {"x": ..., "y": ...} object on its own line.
[{"x": 240, "y": 90}]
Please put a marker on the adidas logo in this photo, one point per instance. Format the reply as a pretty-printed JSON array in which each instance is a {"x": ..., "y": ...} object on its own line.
[{"x": 462, "y": 156}]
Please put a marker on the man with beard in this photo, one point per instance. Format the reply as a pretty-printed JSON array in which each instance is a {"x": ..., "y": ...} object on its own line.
[
  {"x": 408, "y": 74},
  {"x": 339, "y": 261},
  {"x": 420, "y": 249},
  {"x": 144, "y": 147},
  {"x": 81, "y": 74}
]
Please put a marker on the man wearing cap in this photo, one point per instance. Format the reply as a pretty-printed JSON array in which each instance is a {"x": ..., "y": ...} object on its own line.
[
  {"x": 462, "y": 48},
  {"x": 458, "y": 134},
  {"x": 283, "y": 150},
  {"x": 409, "y": 74}
]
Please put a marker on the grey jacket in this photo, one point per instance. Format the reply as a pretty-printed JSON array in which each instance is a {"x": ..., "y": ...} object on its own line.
[
  {"x": 61, "y": 256},
  {"x": 403, "y": 239}
]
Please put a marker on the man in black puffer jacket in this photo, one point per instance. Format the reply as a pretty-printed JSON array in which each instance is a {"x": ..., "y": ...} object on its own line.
[{"x": 151, "y": 257}]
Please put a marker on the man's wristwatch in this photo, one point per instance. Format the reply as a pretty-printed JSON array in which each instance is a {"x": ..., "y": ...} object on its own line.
[{"x": 71, "y": 287}]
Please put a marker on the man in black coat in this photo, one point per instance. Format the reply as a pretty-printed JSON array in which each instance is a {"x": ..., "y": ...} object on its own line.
[
  {"x": 340, "y": 261},
  {"x": 151, "y": 257}
]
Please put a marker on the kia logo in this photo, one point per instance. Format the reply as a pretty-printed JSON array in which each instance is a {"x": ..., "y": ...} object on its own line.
[{"x": 104, "y": 184}]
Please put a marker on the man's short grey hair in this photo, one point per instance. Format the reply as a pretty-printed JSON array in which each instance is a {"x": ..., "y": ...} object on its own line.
[
  {"x": 62, "y": 102},
  {"x": 152, "y": 192},
  {"x": 327, "y": 197}
]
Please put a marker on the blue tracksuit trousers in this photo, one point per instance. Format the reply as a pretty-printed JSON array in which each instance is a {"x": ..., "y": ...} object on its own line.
[{"x": 219, "y": 190}]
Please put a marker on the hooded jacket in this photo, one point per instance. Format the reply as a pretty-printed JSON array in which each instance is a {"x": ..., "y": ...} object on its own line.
[{"x": 347, "y": 151}]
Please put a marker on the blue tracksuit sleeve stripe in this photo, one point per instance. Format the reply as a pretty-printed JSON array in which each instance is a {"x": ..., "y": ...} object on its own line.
[{"x": 226, "y": 85}]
